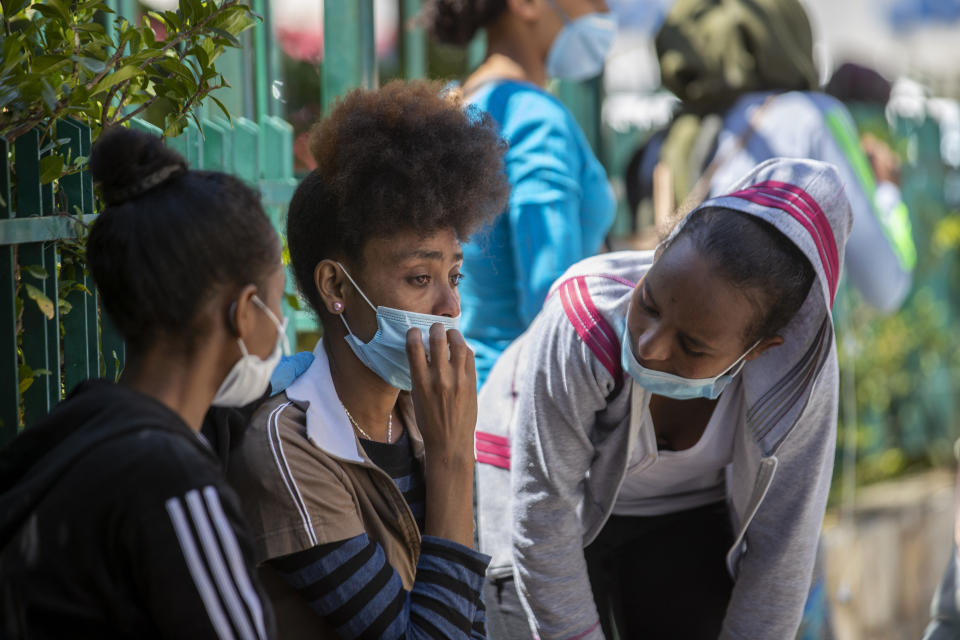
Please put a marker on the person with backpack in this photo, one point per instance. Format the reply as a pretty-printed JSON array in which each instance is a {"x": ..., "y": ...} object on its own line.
[
  {"x": 655, "y": 451},
  {"x": 748, "y": 87},
  {"x": 561, "y": 204}
]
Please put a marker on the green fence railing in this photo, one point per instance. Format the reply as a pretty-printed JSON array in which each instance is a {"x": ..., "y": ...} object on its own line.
[{"x": 45, "y": 292}]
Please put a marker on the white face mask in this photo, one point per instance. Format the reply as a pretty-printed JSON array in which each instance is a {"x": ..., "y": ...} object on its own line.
[
  {"x": 386, "y": 353},
  {"x": 250, "y": 376}
]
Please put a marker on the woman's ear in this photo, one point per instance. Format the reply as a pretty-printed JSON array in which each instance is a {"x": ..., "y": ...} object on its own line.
[
  {"x": 329, "y": 280},
  {"x": 242, "y": 314},
  {"x": 764, "y": 344}
]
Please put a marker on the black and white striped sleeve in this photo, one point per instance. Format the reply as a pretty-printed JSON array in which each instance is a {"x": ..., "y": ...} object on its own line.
[{"x": 197, "y": 569}]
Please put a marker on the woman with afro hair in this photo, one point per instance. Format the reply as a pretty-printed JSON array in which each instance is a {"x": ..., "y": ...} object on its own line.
[{"x": 358, "y": 479}]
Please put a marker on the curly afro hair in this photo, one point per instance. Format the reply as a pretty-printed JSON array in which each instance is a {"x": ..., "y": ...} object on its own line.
[{"x": 406, "y": 157}]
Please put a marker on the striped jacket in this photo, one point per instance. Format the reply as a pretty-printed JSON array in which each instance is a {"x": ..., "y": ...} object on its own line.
[{"x": 559, "y": 422}]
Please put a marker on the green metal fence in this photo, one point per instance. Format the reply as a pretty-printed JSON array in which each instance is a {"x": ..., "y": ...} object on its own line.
[
  {"x": 53, "y": 334},
  {"x": 30, "y": 261}
]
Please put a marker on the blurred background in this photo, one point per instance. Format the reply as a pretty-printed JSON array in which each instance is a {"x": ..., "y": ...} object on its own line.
[{"x": 888, "y": 533}]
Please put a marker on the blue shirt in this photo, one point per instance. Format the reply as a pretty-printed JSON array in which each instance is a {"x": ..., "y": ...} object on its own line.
[{"x": 560, "y": 209}]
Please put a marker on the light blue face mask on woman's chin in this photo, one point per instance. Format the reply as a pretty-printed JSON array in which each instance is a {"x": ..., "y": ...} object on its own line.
[
  {"x": 673, "y": 386},
  {"x": 386, "y": 353},
  {"x": 580, "y": 49}
]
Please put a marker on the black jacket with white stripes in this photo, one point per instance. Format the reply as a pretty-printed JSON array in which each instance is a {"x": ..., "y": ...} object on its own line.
[{"x": 116, "y": 522}]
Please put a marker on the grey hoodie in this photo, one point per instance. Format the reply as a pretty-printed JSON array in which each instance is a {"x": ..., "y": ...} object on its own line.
[{"x": 559, "y": 421}]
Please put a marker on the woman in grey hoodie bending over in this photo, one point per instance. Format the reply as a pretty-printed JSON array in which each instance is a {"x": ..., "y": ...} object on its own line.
[{"x": 655, "y": 451}]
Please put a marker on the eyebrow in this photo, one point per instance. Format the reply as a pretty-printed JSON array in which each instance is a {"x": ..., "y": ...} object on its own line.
[
  {"x": 428, "y": 255},
  {"x": 690, "y": 340}
]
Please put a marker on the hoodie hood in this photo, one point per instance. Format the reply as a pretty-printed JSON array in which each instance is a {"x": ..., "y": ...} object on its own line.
[
  {"x": 96, "y": 411},
  {"x": 806, "y": 202}
]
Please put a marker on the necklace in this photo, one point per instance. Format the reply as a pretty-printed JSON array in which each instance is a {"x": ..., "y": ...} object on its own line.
[{"x": 364, "y": 433}]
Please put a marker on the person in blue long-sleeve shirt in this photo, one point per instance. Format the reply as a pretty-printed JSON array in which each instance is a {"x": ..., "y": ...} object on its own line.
[{"x": 561, "y": 205}]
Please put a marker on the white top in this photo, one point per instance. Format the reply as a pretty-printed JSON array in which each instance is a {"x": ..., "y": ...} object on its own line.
[{"x": 669, "y": 481}]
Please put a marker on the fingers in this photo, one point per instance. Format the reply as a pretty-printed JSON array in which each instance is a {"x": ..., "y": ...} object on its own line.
[
  {"x": 461, "y": 359},
  {"x": 417, "y": 356},
  {"x": 438, "y": 345},
  {"x": 458, "y": 349}
]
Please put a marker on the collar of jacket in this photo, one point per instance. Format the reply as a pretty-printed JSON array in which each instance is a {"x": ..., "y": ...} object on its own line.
[{"x": 327, "y": 425}]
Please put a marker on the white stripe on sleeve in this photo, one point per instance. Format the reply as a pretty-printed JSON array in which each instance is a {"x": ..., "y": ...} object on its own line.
[
  {"x": 237, "y": 565},
  {"x": 197, "y": 570},
  {"x": 228, "y": 590}
]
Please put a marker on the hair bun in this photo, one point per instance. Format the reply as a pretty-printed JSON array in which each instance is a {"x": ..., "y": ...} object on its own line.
[
  {"x": 457, "y": 21},
  {"x": 127, "y": 163}
]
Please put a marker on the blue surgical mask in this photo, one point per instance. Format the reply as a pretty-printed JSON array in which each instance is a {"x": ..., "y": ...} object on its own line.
[
  {"x": 580, "y": 49},
  {"x": 386, "y": 353},
  {"x": 677, "y": 387}
]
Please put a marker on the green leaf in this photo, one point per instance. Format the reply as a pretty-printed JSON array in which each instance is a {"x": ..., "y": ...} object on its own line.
[
  {"x": 201, "y": 56},
  {"x": 36, "y": 271},
  {"x": 10, "y": 61},
  {"x": 116, "y": 367},
  {"x": 222, "y": 108},
  {"x": 51, "y": 168},
  {"x": 172, "y": 20},
  {"x": 196, "y": 121},
  {"x": 61, "y": 9},
  {"x": 47, "y": 11},
  {"x": 92, "y": 64},
  {"x": 43, "y": 302},
  {"x": 226, "y": 35},
  {"x": 13, "y": 7},
  {"x": 65, "y": 306},
  {"x": 135, "y": 42},
  {"x": 120, "y": 75},
  {"x": 25, "y": 383},
  {"x": 241, "y": 20},
  {"x": 91, "y": 27},
  {"x": 8, "y": 95},
  {"x": 149, "y": 37},
  {"x": 50, "y": 64},
  {"x": 94, "y": 5},
  {"x": 175, "y": 127},
  {"x": 48, "y": 94}
]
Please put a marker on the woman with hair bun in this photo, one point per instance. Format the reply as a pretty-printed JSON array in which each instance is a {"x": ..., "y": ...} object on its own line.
[
  {"x": 115, "y": 518},
  {"x": 561, "y": 204}
]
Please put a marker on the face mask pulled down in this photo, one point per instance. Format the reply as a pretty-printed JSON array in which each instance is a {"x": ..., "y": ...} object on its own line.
[
  {"x": 677, "y": 387},
  {"x": 250, "y": 376},
  {"x": 386, "y": 353}
]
